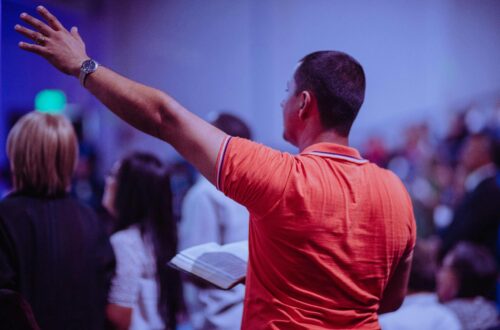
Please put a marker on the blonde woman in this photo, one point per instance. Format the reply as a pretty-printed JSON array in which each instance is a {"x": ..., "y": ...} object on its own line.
[{"x": 52, "y": 248}]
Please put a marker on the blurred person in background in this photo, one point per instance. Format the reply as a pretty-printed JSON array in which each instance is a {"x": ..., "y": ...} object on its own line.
[
  {"x": 209, "y": 216},
  {"x": 87, "y": 184},
  {"x": 145, "y": 293},
  {"x": 477, "y": 215},
  {"x": 467, "y": 276},
  {"x": 421, "y": 309},
  {"x": 457, "y": 132},
  {"x": 53, "y": 249}
]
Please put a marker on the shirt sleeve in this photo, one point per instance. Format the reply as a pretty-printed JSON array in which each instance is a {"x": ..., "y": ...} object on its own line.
[
  {"x": 125, "y": 284},
  {"x": 252, "y": 174}
]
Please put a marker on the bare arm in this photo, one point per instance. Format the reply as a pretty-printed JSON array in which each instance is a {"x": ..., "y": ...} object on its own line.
[
  {"x": 145, "y": 108},
  {"x": 395, "y": 290}
]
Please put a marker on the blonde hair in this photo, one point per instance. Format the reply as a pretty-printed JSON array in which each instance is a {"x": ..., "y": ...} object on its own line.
[{"x": 42, "y": 150}]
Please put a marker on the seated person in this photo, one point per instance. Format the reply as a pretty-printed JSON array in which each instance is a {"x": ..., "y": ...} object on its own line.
[
  {"x": 421, "y": 309},
  {"x": 466, "y": 277}
]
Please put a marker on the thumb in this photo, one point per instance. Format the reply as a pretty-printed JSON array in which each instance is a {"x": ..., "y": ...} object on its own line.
[{"x": 74, "y": 33}]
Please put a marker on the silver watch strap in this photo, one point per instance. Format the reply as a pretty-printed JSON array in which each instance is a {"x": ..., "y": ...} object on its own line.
[{"x": 85, "y": 71}]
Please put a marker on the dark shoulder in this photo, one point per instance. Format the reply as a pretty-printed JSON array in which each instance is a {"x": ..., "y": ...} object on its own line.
[
  {"x": 487, "y": 190},
  {"x": 22, "y": 206},
  {"x": 489, "y": 184},
  {"x": 15, "y": 203}
]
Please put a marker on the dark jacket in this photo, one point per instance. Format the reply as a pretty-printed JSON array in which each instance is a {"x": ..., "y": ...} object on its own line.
[
  {"x": 476, "y": 218},
  {"x": 55, "y": 252}
]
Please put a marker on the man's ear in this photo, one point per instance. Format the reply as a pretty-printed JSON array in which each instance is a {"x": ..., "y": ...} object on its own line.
[{"x": 305, "y": 104}]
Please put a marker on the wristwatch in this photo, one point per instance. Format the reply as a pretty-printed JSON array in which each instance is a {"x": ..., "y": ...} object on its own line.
[{"x": 88, "y": 66}]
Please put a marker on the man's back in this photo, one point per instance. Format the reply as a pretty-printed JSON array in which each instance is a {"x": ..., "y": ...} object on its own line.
[{"x": 326, "y": 233}]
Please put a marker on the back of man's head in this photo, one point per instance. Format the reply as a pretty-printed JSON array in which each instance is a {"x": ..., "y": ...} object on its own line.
[
  {"x": 232, "y": 125},
  {"x": 338, "y": 83}
]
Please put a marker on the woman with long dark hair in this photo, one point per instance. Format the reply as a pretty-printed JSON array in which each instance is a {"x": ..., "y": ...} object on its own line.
[{"x": 145, "y": 292}]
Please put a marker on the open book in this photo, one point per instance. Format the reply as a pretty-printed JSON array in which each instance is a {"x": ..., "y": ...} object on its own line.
[{"x": 222, "y": 265}]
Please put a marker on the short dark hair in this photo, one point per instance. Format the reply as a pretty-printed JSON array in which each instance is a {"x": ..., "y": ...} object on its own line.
[
  {"x": 475, "y": 268},
  {"x": 338, "y": 82},
  {"x": 232, "y": 125}
]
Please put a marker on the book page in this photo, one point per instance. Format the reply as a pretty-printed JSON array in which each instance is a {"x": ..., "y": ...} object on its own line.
[
  {"x": 239, "y": 249},
  {"x": 196, "y": 251},
  {"x": 223, "y": 266}
]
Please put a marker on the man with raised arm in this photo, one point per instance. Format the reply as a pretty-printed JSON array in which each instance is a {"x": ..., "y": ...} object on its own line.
[{"x": 331, "y": 235}]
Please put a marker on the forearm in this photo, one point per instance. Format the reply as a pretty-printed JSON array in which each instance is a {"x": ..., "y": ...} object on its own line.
[
  {"x": 156, "y": 113},
  {"x": 143, "y": 107},
  {"x": 397, "y": 287}
]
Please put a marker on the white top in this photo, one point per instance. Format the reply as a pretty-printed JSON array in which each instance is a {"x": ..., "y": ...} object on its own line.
[
  {"x": 209, "y": 216},
  {"x": 474, "y": 313},
  {"x": 134, "y": 284},
  {"x": 420, "y": 311}
]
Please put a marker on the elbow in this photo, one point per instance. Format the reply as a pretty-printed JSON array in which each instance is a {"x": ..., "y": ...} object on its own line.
[
  {"x": 392, "y": 307},
  {"x": 167, "y": 115},
  {"x": 391, "y": 304}
]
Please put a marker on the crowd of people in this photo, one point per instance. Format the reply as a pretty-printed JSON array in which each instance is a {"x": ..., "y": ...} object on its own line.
[
  {"x": 332, "y": 236},
  {"x": 454, "y": 183},
  {"x": 452, "y": 284}
]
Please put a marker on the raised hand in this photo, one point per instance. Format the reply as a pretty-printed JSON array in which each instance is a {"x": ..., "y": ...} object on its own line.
[{"x": 62, "y": 48}]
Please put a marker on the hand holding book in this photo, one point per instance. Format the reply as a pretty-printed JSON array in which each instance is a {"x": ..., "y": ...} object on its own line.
[{"x": 221, "y": 265}]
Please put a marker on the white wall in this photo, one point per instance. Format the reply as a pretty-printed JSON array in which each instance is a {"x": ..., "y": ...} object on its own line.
[{"x": 420, "y": 57}]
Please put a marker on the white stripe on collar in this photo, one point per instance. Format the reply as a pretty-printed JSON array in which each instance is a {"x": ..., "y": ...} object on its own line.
[{"x": 337, "y": 156}]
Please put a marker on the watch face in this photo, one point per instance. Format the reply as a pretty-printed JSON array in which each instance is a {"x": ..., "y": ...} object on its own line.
[{"x": 89, "y": 66}]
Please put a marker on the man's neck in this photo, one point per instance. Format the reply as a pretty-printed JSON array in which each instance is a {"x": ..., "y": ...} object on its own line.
[{"x": 325, "y": 136}]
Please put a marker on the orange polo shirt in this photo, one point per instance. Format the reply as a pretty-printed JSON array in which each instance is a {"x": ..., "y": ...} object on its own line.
[{"x": 327, "y": 229}]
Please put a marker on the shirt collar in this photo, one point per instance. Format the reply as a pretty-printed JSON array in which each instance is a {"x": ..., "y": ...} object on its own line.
[{"x": 333, "y": 150}]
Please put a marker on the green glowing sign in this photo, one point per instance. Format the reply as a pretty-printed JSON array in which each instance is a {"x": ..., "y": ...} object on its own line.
[{"x": 50, "y": 101}]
